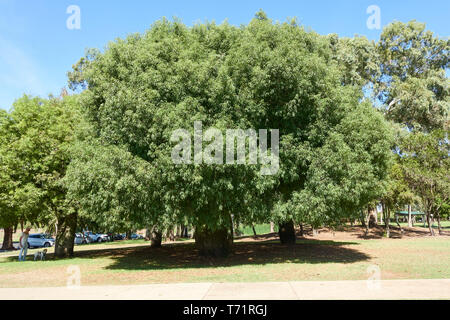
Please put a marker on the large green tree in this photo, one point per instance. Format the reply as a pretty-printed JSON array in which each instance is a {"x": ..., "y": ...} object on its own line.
[
  {"x": 260, "y": 76},
  {"x": 9, "y": 216},
  {"x": 412, "y": 89},
  {"x": 35, "y": 158}
]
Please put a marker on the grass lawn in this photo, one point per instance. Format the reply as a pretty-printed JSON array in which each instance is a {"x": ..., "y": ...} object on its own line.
[
  {"x": 444, "y": 224},
  {"x": 340, "y": 256}
]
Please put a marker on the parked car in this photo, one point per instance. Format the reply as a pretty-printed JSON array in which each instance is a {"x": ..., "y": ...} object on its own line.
[
  {"x": 118, "y": 237},
  {"x": 135, "y": 236},
  {"x": 81, "y": 239},
  {"x": 96, "y": 237},
  {"x": 38, "y": 240}
]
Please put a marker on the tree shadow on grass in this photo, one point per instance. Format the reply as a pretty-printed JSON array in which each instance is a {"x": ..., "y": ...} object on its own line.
[
  {"x": 245, "y": 253},
  {"x": 185, "y": 255},
  {"x": 378, "y": 232}
]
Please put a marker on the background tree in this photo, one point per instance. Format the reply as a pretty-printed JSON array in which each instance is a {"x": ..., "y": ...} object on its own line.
[
  {"x": 426, "y": 165},
  {"x": 412, "y": 85},
  {"x": 411, "y": 88},
  {"x": 8, "y": 215},
  {"x": 37, "y": 155},
  {"x": 112, "y": 188}
]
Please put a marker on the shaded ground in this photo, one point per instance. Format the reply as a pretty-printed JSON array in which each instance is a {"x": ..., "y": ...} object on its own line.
[{"x": 342, "y": 255}]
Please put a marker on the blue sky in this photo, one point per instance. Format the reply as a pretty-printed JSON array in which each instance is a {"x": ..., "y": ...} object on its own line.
[{"x": 37, "y": 49}]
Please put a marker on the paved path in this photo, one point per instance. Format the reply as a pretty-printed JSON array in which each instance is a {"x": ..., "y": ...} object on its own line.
[{"x": 329, "y": 290}]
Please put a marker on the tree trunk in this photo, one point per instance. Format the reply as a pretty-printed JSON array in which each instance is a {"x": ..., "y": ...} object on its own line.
[
  {"x": 387, "y": 220},
  {"x": 179, "y": 229},
  {"x": 438, "y": 217},
  {"x": 65, "y": 237},
  {"x": 155, "y": 238},
  {"x": 272, "y": 227},
  {"x": 214, "y": 243},
  {"x": 367, "y": 222},
  {"x": 373, "y": 218},
  {"x": 409, "y": 216},
  {"x": 430, "y": 223},
  {"x": 254, "y": 232},
  {"x": 286, "y": 231},
  {"x": 301, "y": 229},
  {"x": 8, "y": 239}
]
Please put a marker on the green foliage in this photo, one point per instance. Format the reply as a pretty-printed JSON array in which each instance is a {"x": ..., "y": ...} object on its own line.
[
  {"x": 114, "y": 185},
  {"x": 348, "y": 172},
  {"x": 357, "y": 59},
  {"x": 263, "y": 75},
  {"x": 34, "y": 149},
  {"x": 426, "y": 164},
  {"x": 412, "y": 84}
]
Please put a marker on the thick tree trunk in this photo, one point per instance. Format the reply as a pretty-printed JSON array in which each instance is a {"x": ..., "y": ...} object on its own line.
[
  {"x": 286, "y": 232},
  {"x": 272, "y": 227},
  {"x": 155, "y": 238},
  {"x": 8, "y": 239},
  {"x": 214, "y": 243},
  {"x": 301, "y": 229},
  {"x": 65, "y": 237}
]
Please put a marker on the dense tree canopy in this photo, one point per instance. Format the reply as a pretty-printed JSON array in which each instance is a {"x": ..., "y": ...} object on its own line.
[
  {"x": 412, "y": 84},
  {"x": 260, "y": 76},
  {"x": 426, "y": 163},
  {"x": 36, "y": 137},
  {"x": 106, "y": 155}
]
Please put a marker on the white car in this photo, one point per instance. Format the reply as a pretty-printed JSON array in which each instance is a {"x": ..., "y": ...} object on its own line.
[
  {"x": 96, "y": 237},
  {"x": 81, "y": 239},
  {"x": 38, "y": 240}
]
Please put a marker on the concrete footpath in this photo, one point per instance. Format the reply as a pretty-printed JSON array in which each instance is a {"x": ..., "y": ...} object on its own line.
[{"x": 294, "y": 290}]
